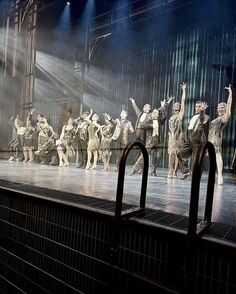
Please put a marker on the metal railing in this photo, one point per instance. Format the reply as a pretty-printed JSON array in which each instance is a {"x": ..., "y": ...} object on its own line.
[{"x": 195, "y": 229}]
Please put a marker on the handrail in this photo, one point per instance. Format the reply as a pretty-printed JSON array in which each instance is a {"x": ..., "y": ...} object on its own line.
[
  {"x": 115, "y": 228},
  {"x": 194, "y": 229},
  {"x": 194, "y": 198},
  {"x": 121, "y": 175}
]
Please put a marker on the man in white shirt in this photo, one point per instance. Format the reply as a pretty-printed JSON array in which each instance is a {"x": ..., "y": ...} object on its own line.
[
  {"x": 142, "y": 119},
  {"x": 154, "y": 137},
  {"x": 196, "y": 134}
]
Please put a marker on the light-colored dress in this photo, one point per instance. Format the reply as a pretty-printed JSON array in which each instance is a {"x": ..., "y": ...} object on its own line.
[{"x": 215, "y": 133}]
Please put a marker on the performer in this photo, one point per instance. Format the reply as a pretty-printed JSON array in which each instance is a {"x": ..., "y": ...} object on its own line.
[
  {"x": 196, "y": 134},
  {"x": 45, "y": 131},
  {"x": 93, "y": 142},
  {"x": 142, "y": 119},
  {"x": 82, "y": 138},
  {"x": 175, "y": 134},
  {"x": 12, "y": 144},
  {"x": 65, "y": 149},
  {"x": 30, "y": 141},
  {"x": 123, "y": 128},
  {"x": 48, "y": 152},
  {"x": 105, "y": 148},
  {"x": 215, "y": 132},
  {"x": 154, "y": 137},
  {"x": 20, "y": 131}
]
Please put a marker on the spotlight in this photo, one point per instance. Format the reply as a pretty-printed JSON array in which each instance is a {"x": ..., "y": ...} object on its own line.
[{"x": 68, "y": 3}]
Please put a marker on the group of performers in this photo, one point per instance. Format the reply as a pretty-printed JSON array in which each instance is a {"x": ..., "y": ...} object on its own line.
[{"x": 85, "y": 139}]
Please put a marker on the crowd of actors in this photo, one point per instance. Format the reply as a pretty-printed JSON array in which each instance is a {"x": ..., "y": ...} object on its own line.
[{"x": 85, "y": 139}]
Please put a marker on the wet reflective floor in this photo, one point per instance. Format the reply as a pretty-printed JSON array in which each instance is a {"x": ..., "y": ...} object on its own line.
[{"x": 170, "y": 195}]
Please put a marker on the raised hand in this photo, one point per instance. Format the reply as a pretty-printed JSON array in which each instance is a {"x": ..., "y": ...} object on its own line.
[
  {"x": 204, "y": 106},
  {"x": 229, "y": 88},
  {"x": 107, "y": 116},
  {"x": 183, "y": 86},
  {"x": 132, "y": 99},
  {"x": 170, "y": 98},
  {"x": 162, "y": 102}
]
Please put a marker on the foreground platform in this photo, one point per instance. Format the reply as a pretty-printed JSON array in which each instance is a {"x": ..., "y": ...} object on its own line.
[{"x": 162, "y": 193}]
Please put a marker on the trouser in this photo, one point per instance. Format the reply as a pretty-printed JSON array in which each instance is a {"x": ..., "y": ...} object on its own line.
[
  {"x": 189, "y": 148},
  {"x": 156, "y": 149},
  {"x": 82, "y": 152},
  {"x": 119, "y": 146}
]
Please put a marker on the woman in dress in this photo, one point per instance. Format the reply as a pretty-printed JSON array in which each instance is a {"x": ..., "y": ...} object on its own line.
[
  {"x": 105, "y": 148},
  {"x": 175, "y": 134},
  {"x": 30, "y": 141},
  {"x": 215, "y": 131},
  {"x": 65, "y": 149},
  {"x": 45, "y": 131},
  {"x": 93, "y": 141}
]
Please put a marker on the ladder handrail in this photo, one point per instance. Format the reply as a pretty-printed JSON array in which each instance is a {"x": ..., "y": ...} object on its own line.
[
  {"x": 195, "y": 187},
  {"x": 121, "y": 176},
  {"x": 196, "y": 230}
]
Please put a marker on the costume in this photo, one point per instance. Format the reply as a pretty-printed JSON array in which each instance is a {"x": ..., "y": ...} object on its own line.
[
  {"x": 141, "y": 123},
  {"x": 215, "y": 133},
  {"x": 20, "y": 138},
  {"x": 153, "y": 139},
  {"x": 105, "y": 147},
  {"x": 44, "y": 133},
  {"x": 66, "y": 141},
  {"x": 48, "y": 152},
  {"x": 121, "y": 136},
  {"x": 196, "y": 134},
  {"x": 175, "y": 142},
  {"x": 93, "y": 142},
  {"x": 82, "y": 143}
]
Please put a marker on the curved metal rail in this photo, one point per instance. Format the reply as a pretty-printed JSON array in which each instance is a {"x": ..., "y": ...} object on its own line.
[
  {"x": 119, "y": 214},
  {"x": 196, "y": 229},
  {"x": 120, "y": 182}
]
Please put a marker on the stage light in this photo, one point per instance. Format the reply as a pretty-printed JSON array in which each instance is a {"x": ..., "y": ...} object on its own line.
[{"x": 68, "y": 3}]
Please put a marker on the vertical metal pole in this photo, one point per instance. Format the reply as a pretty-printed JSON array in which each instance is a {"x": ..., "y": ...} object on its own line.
[
  {"x": 16, "y": 34},
  {"x": 5, "y": 44}
]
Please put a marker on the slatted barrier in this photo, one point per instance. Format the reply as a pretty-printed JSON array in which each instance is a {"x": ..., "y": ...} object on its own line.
[{"x": 55, "y": 242}]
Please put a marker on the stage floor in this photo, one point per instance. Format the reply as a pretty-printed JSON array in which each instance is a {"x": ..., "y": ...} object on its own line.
[{"x": 170, "y": 195}]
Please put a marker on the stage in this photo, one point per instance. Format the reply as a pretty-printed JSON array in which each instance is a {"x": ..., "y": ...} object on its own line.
[{"x": 169, "y": 195}]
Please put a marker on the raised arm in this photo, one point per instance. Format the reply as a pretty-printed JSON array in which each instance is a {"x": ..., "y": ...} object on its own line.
[
  {"x": 16, "y": 122},
  {"x": 29, "y": 116},
  {"x": 204, "y": 118},
  {"x": 62, "y": 133},
  {"x": 229, "y": 103},
  {"x": 135, "y": 107},
  {"x": 183, "y": 98}
]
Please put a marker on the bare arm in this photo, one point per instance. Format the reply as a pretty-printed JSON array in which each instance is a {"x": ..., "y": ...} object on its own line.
[
  {"x": 16, "y": 122},
  {"x": 135, "y": 107},
  {"x": 62, "y": 133},
  {"x": 229, "y": 104},
  {"x": 183, "y": 98},
  {"x": 204, "y": 118}
]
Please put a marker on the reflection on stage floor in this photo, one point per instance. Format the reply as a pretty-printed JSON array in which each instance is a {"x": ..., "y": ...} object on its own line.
[{"x": 170, "y": 195}]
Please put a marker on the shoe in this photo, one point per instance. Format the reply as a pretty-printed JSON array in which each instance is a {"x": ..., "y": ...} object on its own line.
[
  {"x": 11, "y": 158},
  {"x": 87, "y": 166},
  {"x": 133, "y": 172},
  {"x": 219, "y": 180},
  {"x": 80, "y": 164},
  {"x": 185, "y": 175},
  {"x": 154, "y": 173},
  {"x": 170, "y": 175},
  {"x": 174, "y": 176}
]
